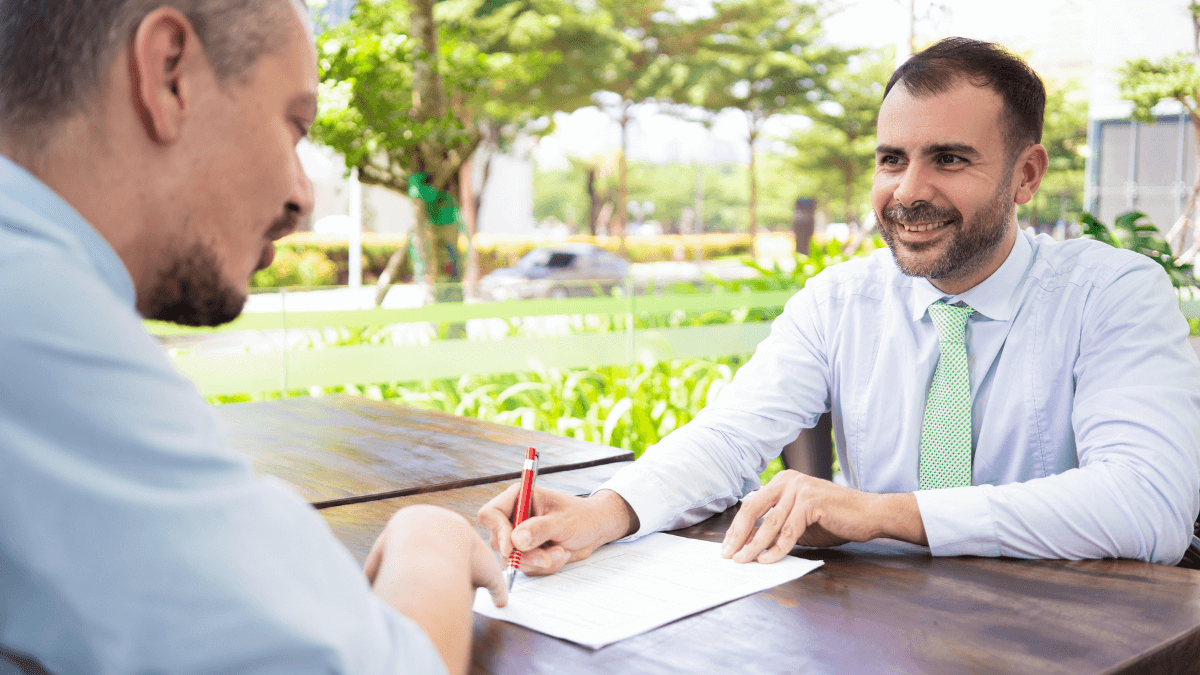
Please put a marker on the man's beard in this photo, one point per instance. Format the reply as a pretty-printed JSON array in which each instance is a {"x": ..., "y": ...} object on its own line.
[
  {"x": 971, "y": 244},
  {"x": 190, "y": 291}
]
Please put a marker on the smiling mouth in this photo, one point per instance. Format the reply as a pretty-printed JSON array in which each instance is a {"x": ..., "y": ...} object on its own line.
[{"x": 924, "y": 227}]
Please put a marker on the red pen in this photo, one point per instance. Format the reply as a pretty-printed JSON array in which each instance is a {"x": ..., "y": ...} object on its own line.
[{"x": 524, "y": 503}]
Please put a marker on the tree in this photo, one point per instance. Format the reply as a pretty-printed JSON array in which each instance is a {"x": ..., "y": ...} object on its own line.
[
  {"x": 640, "y": 63},
  {"x": 839, "y": 148},
  {"x": 408, "y": 96},
  {"x": 1174, "y": 78},
  {"x": 763, "y": 60},
  {"x": 1064, "y": 134}
]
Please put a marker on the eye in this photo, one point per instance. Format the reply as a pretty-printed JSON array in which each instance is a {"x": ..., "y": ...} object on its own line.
[
  {"x": 888, "y": 160},
  {"x": 950, "y": 160}
]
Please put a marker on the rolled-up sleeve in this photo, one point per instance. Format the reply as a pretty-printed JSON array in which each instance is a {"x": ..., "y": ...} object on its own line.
[{"x": 131, "y": 538}]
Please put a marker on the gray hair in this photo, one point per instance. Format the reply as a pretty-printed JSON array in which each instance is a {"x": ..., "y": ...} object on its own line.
[{"x": 54, "y": 53}]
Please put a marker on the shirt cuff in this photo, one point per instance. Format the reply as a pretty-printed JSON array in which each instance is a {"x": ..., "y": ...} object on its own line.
[
  {"x": 958, "y": 521},
  {"x": 643, "y": 491}
]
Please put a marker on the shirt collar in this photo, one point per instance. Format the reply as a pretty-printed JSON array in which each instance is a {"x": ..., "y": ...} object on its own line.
[
  {"x": 29, "y": 206},
  {"x": 992, "y": 297}
]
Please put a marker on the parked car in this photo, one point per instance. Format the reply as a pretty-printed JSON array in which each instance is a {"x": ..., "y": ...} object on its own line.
[{"x": 567, "y": 270}]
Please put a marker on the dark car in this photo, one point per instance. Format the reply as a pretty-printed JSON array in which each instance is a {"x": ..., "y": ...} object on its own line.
[{"x": 567, "y": 270}]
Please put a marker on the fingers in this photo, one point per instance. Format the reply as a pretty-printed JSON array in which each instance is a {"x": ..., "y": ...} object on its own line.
[
  {"x": 544, "y": 560},
  {"x": 795, "y": 523},
  {"x": 486, "y": 573},
  {"x": 753, "y": 508},
  {"x": 495, "y": 516},
  {"x": 768, "y": 531}
]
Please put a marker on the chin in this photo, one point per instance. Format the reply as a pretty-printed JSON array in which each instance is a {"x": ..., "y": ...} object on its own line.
[{"x": 191, "y": 291}]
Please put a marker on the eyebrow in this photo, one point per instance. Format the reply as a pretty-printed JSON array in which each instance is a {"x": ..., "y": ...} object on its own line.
[{"x": 935, "y": 149}]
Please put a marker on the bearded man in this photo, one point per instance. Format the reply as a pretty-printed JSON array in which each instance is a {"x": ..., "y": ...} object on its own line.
[
  {"x": 992, "y": 393},
  {"x": 147, "y": 163}
]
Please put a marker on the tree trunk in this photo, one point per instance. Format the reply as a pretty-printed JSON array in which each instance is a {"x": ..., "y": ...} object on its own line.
[
  {"x": 753, "y": 204},
  {"x": 594, "y": 202},
  {"x": 470, "y": 216},
  {"x": 622, "y": 185},
  {"x": 1187, "y": 220}
]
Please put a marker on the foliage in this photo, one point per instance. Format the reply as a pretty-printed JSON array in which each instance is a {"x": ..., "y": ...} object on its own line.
[
  {"x": 671, "y": 188},
  {"x": 765, "y": 60},
  {"x": 1064, "y": 134},
  {"x": 839, "y": 149},
  {"x": 305, "y": 259},
  {"x": 1173, "y": 78},
  {"x": 1134, "y": 232}
]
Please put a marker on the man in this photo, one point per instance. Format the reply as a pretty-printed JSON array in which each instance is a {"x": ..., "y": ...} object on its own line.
[
  {"x": 992, "y": 393},
  {"x": 148, "y": 162}
]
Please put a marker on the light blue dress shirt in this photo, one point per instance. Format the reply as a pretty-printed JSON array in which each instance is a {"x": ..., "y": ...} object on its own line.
[
  {"x": 132, "y": 539},
  {"x": 1085, "y": 402}
]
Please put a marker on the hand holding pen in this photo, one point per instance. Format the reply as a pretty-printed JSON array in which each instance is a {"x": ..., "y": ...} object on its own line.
[{"x": 524, "y": 503}]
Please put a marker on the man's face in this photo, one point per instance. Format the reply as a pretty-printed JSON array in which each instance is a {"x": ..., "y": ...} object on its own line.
[
  {"x": 943, "y": 189},
  {"x": 245, "y": 187}
]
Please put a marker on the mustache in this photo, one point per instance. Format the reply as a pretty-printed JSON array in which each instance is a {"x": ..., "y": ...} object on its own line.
[
  {"x": 925, "y": 212},
  {"x": 285, "y": 224}
]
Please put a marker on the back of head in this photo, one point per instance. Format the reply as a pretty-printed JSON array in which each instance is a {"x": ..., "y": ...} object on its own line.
[
  {"x": 54, "y": 53},
  {"x": 983, "y": 64}
]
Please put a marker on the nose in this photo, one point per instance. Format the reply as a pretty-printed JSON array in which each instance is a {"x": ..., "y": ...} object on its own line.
[
  {"x": 301, "y": 199},
  {"x": 914, "y": 186}
]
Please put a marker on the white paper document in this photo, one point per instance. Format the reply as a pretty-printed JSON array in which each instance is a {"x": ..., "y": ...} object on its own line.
[{"x": 628, "y": 588}]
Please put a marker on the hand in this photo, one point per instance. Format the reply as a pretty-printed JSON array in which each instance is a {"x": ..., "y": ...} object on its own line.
[
  {"x": 800, "y": 509},
  {"x": 427, "y": 564},
  {"x": 562, "y": 528},
  {"x": 432, "y": 527}
]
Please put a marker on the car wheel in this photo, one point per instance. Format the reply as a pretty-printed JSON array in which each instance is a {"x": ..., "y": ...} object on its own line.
[{"x": 558, "y": 293}]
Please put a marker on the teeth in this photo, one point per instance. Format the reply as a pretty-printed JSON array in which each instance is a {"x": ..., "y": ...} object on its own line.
[{"x": 924, "y": 227}]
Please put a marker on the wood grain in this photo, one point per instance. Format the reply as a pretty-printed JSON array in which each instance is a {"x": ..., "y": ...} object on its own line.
[
  {"x": 359, "y": 525},
  {"x": 345, "y": 449},
  {"x": 880, "y": 607}
]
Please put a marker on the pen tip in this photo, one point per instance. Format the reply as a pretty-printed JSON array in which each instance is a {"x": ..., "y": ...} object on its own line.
[{"x": 510, "y": 576}]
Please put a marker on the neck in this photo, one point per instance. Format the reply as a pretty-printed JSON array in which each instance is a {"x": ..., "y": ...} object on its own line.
[{"x": 107, "y": 188}]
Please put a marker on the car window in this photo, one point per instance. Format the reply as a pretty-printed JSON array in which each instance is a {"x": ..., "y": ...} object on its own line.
[{"x": 560, "y": 260}]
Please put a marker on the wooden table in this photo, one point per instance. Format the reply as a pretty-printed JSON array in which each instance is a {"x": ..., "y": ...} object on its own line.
[
  {"x": 346, "y": 449},
  {"x": 882, "y": 607}
]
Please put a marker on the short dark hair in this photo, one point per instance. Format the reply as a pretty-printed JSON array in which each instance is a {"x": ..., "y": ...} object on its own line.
[
  {"x": 53, "y": 53},
  {"x": 984, "y": 64}
]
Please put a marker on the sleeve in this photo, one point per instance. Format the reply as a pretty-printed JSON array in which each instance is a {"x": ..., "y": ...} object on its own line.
[
  {"x": 131, "y": 538},
  {"x": 707, "y": 465},
  {"x": 1136, "y": 421}
]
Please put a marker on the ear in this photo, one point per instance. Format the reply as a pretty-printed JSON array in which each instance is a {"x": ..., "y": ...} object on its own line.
[
  {"x": 163, "y": 53},
  {"x": 1030, "y": 168}
]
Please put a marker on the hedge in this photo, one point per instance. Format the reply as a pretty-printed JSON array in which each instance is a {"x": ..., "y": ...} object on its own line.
[{"x": 308, "y": 259}]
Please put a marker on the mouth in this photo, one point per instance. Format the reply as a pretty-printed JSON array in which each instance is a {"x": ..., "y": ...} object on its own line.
[
  {"x": 925, "y": 227},
  {"x": 268, "y": 257}
]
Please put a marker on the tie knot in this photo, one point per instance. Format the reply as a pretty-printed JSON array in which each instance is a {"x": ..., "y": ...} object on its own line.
[{"x": 951, "y": 321}]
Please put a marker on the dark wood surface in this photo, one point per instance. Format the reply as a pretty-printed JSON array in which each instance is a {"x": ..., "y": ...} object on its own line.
[
  {"x": 345, "y": 449},
  {"x": 358, "y": 525},
  {"x": 881, "y": 607}
]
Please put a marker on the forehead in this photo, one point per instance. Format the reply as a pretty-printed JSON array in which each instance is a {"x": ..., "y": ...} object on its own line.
[
  {"x": 292, "y": 69},
  {"x": 965, "y": 114}
]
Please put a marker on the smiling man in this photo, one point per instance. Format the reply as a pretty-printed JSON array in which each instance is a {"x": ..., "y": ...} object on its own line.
[
  {"x": 147, "y": 164},
  {"x": 993, "y": 393}
]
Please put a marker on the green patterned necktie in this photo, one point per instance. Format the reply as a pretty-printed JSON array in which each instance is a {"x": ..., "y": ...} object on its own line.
[{"x": 946, "y": 432}]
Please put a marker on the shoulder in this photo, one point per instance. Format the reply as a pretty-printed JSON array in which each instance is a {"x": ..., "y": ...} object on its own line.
[{"x": 1085, "y": 263}]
